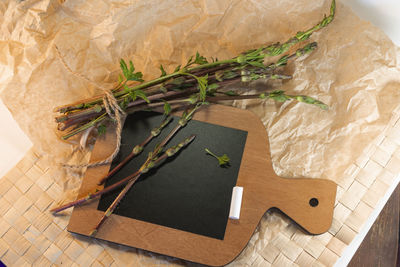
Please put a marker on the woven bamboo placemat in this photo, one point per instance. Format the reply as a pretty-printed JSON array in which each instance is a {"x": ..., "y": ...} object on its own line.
[{"x": 30, "y": 235}]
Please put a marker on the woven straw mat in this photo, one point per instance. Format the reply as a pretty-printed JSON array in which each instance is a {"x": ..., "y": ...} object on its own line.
[{"x": 31, "y": 236}]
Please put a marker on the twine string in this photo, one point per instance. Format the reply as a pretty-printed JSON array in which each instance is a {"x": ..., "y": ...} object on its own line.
[{"x": 114, "y": 111}]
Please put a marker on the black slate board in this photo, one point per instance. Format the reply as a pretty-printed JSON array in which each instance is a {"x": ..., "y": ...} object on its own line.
[{"x": 190, "y": 192}]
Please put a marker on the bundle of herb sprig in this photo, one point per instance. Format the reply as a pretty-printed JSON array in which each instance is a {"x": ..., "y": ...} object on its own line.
[
  {"x": 196, "y": 83},
  {"x": 199, "y": 80}
]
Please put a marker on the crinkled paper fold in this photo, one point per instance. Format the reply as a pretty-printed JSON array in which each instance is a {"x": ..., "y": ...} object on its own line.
[{"x": 355, "y": 69}]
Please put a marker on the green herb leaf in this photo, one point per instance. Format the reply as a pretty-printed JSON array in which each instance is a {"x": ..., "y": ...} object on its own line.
[
  {"x": 97, "y": 108},
  {"x": 177, "y": 68},
  {"x": 256, "y": 64},
  {"x": 282, "y": 61},
  {"x": 193, "y": 99},
  {"x": 136, "y": 77},
  {"x": 130, "y": 74},
  {"x": 230, "y": 74},
  {"x": 302, "y": 36},
  {"x": 254, "y": 53},
  {"x": 211, "y": 92},
  {"x": 163, "y": 73},
  {"x": 219, "y": 75},
  {"x": 120, "y": 79},
  {"x": 255, "y": 76},
  {"x": 202, "y": 85},
  {"x": 189, "y": 62},
  {"x": 212, "y": 89},
  {"x": 231, "y": 93},
  {"x": 163, "y": 89},
  {"x": 278, "y": 96},
  {"x": 213, "y": 86},
  {"x": 132, "y": 95},
  {"x": 275, "y": 49},
  {"x": 124, "y": 103},
  {"x": 131, "y": 67},
  {"x": 126, "y": 88},
  {"x": 178, "y": 81},
  {"x": 223, "y": 160},
  {"x": 142, "y": 95},
  {"x": 312, "y": 101},
  {"x": 200, "y": 60},
  {"x": 167, "y": 108},
  {"x": 124, "y": 68},
  {"x": 241, "y": 59},
  {"x": 101, "y": 129}
]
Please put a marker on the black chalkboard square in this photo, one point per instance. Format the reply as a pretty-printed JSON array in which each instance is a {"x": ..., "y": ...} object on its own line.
[{"x": 189, "y": 192}]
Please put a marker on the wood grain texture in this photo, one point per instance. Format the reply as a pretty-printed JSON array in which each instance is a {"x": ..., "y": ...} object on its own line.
[
  {"x": 263, "y": 190},
  {"x": 380, "y": 246}
]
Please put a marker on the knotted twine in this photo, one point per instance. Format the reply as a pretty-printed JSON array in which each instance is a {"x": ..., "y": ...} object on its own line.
[{"x": 114, "y": 111}]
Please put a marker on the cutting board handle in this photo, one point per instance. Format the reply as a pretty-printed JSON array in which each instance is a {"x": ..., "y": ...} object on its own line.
[{"x": 309, "y": 202}]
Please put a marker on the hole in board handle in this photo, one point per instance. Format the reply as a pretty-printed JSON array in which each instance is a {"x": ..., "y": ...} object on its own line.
[{"x": 314, "y": 202}]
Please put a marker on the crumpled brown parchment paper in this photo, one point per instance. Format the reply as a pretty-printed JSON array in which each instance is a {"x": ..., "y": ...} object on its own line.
[{"x": 355, "y": 70}]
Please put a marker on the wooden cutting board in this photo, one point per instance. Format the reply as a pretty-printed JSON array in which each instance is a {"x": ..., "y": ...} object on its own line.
[{"x": 309, "y": 202}]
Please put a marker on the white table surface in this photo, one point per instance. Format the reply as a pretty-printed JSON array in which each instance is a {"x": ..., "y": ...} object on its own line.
[
  {"x": 384, "y": 14},
  {"x": 13, "y": 142}
]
